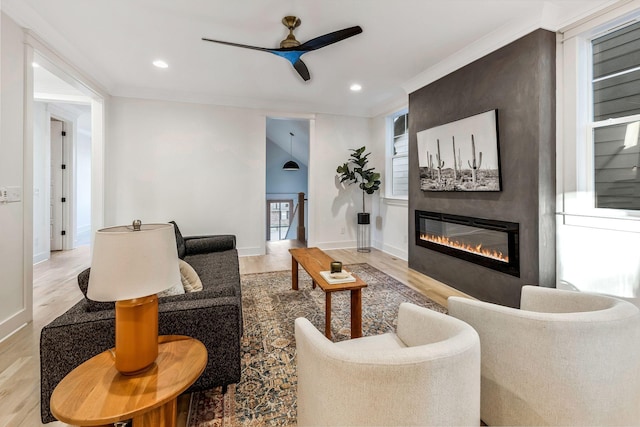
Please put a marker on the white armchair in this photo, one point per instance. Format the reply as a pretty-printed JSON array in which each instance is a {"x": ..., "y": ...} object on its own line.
[
  {"x": 427, "y": 373},
  {"x": 564, "y": 358}
]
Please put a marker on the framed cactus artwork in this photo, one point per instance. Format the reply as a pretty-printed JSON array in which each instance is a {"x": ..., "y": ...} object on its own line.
[{"x": 461, "y": 156}]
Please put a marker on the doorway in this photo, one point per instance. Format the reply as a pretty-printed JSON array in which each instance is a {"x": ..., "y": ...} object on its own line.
[
  {"x": 36, "y": 161},
  {"x": 287, "y": 156},
  {"x": 62, "y": 145}
]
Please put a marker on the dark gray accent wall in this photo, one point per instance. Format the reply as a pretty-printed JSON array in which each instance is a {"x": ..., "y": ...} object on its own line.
[{"x": 519, "y": 81}]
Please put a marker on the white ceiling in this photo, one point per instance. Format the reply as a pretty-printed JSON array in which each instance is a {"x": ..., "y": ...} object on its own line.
[{"x": 115, "y": 41}]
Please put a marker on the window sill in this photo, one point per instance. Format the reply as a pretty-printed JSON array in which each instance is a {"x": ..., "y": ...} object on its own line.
[
  {"x": 593, "y": 219},
  {"x": 395, "y": 201}
]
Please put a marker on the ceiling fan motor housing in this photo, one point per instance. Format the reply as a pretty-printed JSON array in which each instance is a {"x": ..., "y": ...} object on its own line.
[{"x": 291, "y": 22}]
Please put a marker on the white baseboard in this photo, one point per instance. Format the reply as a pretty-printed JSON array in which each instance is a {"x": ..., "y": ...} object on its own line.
[
  {"x": 250, "y": 251},
  {"x": 352, "y": 244},
  {"x": 42, "y": 256},
  {"x": 344, "y": 244},
  {"x": 13, "y": 324},
  {"x": 403, "y": 254}
]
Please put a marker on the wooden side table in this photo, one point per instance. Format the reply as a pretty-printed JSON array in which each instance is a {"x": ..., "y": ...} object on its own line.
[{"x": 96, "y": 394}]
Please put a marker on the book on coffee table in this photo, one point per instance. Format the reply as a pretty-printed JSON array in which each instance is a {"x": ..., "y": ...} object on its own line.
[{"x": 333, "y": 279}]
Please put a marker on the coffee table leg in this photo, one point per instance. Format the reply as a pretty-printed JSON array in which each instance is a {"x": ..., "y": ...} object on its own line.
[
  {"x": 294, "y": 274},
  {"x": 356, "y": 313},
  {"x": 327, "y": 315},
  {"x": 163, "y": 416}
]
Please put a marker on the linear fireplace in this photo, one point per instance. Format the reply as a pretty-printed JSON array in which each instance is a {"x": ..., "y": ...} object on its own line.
[{"x": 490, "y": 243}]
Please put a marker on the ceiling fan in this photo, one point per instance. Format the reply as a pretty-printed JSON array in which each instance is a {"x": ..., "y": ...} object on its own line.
[{"x": 291, "y": 49}]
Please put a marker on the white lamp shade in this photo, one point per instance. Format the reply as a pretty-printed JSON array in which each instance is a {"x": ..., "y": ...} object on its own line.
[{"x": 128, "y": 264}]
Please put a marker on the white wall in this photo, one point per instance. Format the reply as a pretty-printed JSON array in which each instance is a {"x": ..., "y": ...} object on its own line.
[
  {"x": 200, "y": 165},
  {"x": 599, "y": 260},
  {"x": 333, "y": 207},
  {"x": 83, "y": 179},
  {"x": 13, "y": 310},
  {"x": 204, "y": 167},
  {"x": 41, "y": 182},
  {"x": 391, "y": 226}
]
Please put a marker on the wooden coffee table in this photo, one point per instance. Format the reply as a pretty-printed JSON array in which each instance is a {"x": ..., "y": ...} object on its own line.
[
  {"x": 314, "y": 260},
  {"x": 96, "y": 394}
]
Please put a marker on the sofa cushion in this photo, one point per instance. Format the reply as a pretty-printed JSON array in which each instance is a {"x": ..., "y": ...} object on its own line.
[
  {"x": 182, "y": 250},
  {"x": 206, "y": 244},
  {"x": 221, "y": 270},
  {"x": 83, "y": 284},
  {"x": 190, "y": 280},
  {"x": 176, "y": 289}
]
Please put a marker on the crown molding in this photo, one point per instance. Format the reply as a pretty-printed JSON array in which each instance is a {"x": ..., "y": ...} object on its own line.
[
  {"x": 64, "y": 53},
  {"x": 549, "y": 17},
  {"x": 275, "y": 107}
]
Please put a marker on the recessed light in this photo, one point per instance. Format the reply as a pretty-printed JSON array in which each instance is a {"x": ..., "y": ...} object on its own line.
[
  {"x": 160, "y": 63},
  {"x": 355, "y": 87},
  {"x": 35, "y": 65}
]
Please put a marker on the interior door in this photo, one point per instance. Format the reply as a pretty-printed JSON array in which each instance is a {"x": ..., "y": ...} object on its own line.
[{"x": 56, "y": 184}]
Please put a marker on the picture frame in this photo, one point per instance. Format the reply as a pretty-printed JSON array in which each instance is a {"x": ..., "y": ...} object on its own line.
[{"x": 463, "y": 155}]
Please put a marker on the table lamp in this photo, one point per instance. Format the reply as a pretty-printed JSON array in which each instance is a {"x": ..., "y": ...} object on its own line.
[{"x": 130, "y": 265}]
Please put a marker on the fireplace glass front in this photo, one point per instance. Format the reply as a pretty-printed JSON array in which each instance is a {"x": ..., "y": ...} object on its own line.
[{"x": 490, "y": 243}]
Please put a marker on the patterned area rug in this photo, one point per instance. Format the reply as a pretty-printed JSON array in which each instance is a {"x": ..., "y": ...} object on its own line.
[{"x": 266, "y": 394}]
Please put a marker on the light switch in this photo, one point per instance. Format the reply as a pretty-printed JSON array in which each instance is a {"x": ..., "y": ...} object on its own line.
[{"x": 3, "y": 195}]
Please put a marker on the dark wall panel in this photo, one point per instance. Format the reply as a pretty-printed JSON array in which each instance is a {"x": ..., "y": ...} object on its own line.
[{"x": 519, "y": 81}]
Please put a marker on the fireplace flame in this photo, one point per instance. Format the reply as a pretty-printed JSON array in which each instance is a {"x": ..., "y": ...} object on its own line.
[{"x": 477, "y": 249}]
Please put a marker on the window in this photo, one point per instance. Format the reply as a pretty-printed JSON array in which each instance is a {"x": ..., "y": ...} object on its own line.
[
  {"x": 615, "y": 118},
  {"x": 397, "y": 176},
  {"x": 278, "y": 216},
  {"x": 597, "y": 239}
]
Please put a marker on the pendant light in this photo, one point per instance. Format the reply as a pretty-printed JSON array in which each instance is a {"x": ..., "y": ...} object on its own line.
[{"x": 291, "y": 165}]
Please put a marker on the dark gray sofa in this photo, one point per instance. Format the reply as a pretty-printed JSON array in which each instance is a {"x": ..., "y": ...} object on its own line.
[{"x": 213, "y": 316}]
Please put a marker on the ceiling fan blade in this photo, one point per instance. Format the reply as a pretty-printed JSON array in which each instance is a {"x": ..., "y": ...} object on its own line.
[
  {"x": 290, "y": 55},
  {"x": 264, "y": 49},
  {"x": 302, "y": 69},
  {"x": 293, "y": 54},
  {"x": 329, "y": 38}
]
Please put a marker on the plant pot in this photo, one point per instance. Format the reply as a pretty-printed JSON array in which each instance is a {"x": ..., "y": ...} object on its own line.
[
  {"x": 364, "y": 218},
  {"x": 364, "y": 234}
]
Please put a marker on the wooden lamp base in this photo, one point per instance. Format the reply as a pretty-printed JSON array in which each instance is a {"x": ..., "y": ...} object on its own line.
[{"x": 136, "y": 334}]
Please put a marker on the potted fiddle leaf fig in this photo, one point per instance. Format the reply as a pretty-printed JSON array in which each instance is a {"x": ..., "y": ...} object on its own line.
[{"x": 355, "y": 171}]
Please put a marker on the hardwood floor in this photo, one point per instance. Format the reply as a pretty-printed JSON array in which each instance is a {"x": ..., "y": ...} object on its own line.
[
  {"x": 55, "y": 290},
  {"x": 278, "y": 258}
]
